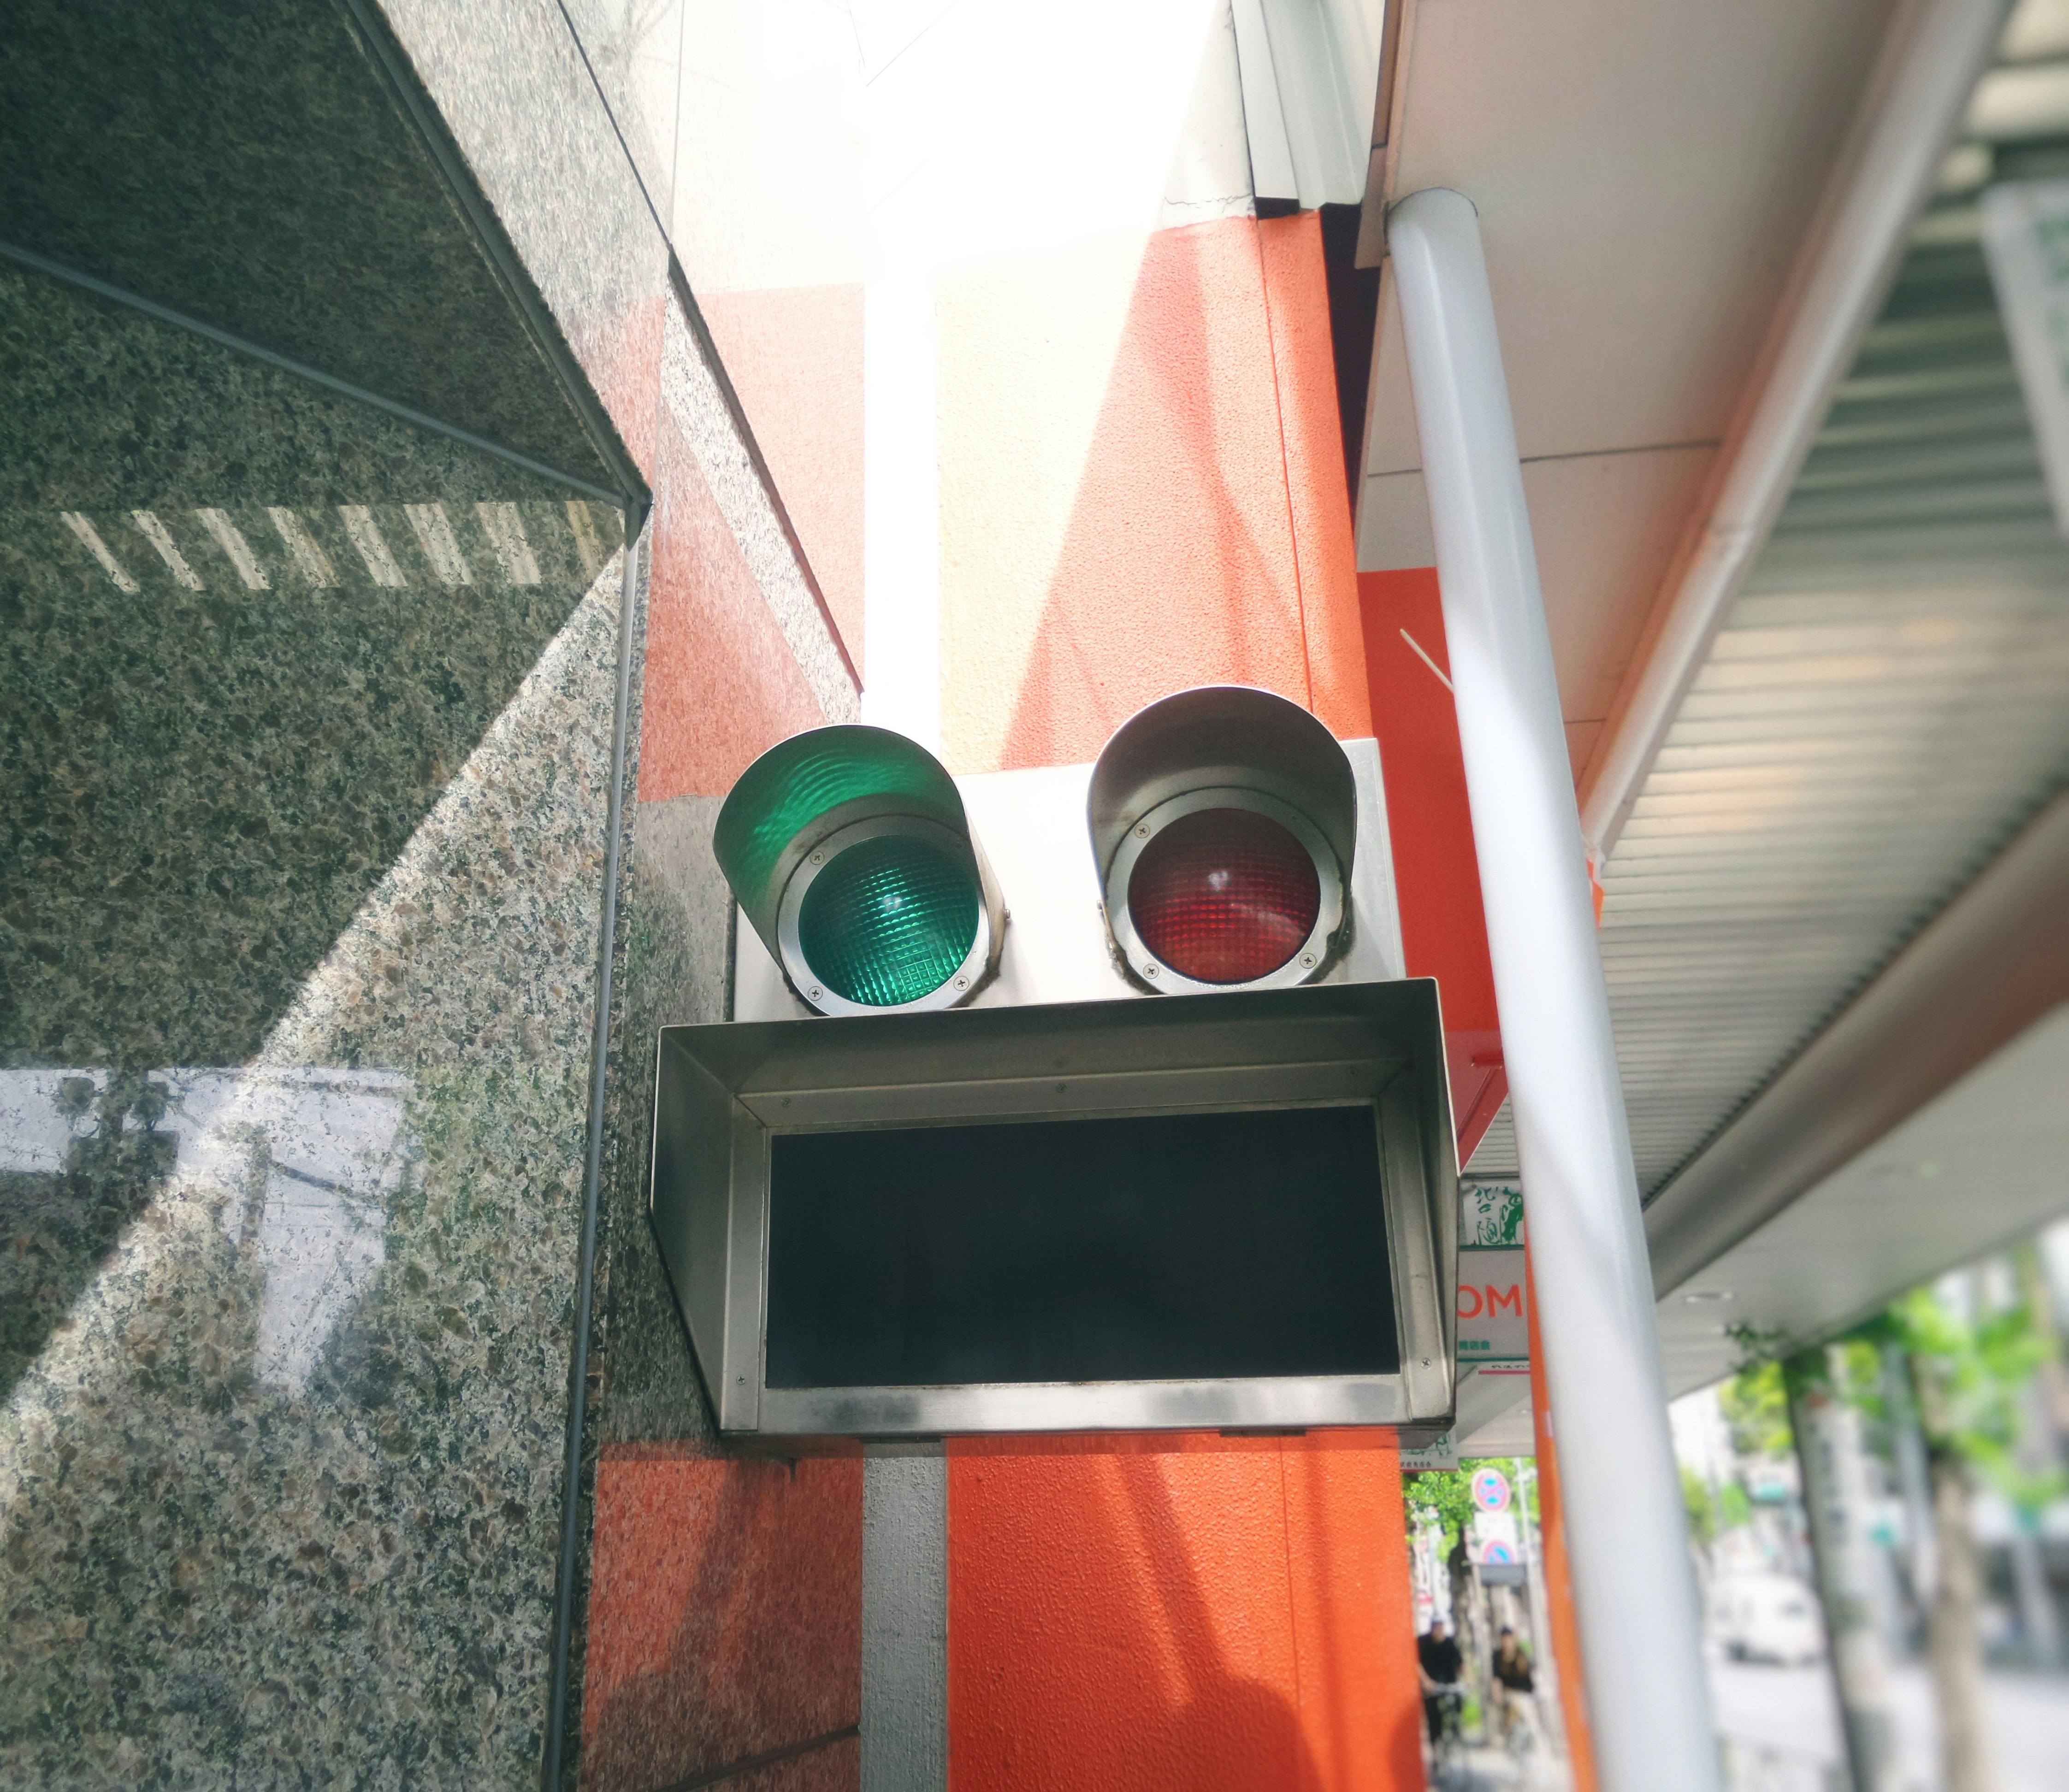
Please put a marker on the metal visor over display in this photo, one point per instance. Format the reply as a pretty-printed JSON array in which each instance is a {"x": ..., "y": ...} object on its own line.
[
  {"x": 1240, "y": 1210},
  {"x": 1224, "y": 825},
  {"x": 849, "y": 854}
]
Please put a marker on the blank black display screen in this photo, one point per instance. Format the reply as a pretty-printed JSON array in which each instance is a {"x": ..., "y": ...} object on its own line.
[{"x": 1170, "y": 1247}]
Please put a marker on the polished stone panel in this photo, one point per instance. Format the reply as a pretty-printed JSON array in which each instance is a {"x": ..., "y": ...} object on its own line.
[
  {"x": 243, "y": 161},
  {"x": 307, "y": 722},
  {"x": 219, "y": 736},
  {"x": 281, "y": 1490},
  {"x": 509, "y": 79}
]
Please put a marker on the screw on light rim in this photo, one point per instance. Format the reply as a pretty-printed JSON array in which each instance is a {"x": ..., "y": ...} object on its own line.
[
  {"x": 1307, "y": 959},
  {"x": 811, "y": 986}
]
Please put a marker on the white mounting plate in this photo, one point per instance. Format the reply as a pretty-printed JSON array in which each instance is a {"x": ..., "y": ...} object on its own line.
[{"x": 1031, "y": 826}]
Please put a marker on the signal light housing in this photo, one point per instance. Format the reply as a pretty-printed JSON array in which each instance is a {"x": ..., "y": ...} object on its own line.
[
  {"x": 1224, "y": 825},
  {"x": 1237, "y": 1211},
  {"x": 849, "y": 854}
]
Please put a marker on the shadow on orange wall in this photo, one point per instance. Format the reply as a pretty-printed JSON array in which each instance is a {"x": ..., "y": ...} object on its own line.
[
  {"x": 1437, "y": 869},
  {"x": 794, "y": 356},
  {"x": 722, "y": 685},
  {"x": 1209, "y": 536},
  {"x": 1223, "y": 1615},
  {"x": 724, "y": 1616}
]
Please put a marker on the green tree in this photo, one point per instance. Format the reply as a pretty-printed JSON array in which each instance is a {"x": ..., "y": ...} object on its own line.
[
  {"x": 1713, "y": 1510},
  {"x": 1443, "y": 1498},
  {"x": 1974, "y": 1375},
  {"x": 1440, "y": 1498},
  {"x": 1756, "y": 1405}
]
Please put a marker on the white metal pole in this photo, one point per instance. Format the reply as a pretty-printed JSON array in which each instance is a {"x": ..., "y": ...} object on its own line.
[{"x": 1634, "y": 1583}]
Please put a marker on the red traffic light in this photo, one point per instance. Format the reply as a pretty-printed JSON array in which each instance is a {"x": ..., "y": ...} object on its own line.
[
  {"x": 1223, "y": 823},
  {"x": 1225, "y": 895}
]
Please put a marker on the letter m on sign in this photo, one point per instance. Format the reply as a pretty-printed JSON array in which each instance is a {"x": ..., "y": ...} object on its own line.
[{"x": 1492, "y": 1327}]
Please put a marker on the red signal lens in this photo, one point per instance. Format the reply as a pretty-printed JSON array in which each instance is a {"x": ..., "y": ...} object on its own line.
[{"x": 1224, "y": 895}]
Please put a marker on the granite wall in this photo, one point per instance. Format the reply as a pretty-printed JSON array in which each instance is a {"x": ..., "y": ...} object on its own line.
[
  {"x": 307, "y": 706},
  {"x": 308, "y": 720},
  {"x": 723, "y": 1631}
]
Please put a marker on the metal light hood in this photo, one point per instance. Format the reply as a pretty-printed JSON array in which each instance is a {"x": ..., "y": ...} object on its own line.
[{"x": 725, "y": 1092}]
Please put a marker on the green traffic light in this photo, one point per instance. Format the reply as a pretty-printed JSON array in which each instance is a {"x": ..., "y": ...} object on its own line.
[
  {"x": 849, "y": 854},
  {"x": 889, "y": 920},
  {"x": 809, "y": 777}
]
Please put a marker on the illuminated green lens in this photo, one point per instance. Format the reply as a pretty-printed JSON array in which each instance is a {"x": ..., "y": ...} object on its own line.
[{"x": 888, "y": 921}]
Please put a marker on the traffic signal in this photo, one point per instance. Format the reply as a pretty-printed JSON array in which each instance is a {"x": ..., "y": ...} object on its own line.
[
  {"x": 1055, "y": 1204},
  {"x": 849, "y": 854},
  {"x": 1224, "y": 825}
]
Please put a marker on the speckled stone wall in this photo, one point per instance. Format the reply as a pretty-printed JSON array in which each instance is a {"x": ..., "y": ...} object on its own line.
[
  {"x": 242, "y": 161},
  {"x": 306, "y": 720},
  {"x": 723, "y": 1617},
  {"x": 304, "y": 783}
]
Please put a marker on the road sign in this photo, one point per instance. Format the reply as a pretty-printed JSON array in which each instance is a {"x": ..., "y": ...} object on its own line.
[
  {"x": 1491, "y": 1490},
  {"x": 1496, "y": 1538},
  {"x": 1439, "y": 1454},
  {"x": 1490, "y": 1213}
]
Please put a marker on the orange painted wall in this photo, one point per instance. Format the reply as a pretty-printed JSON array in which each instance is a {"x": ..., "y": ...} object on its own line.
[
  {"x": 1198, "y": 531},
  {"x": 724, "y": 1616},
  {"x": 1222, "y": 1614},
  {"x": 1437, "y": 873},
  {"x": 794, "y": 356},
  {"x": 722, "y": 685},
  {"x": 1191, "y": 1611}
]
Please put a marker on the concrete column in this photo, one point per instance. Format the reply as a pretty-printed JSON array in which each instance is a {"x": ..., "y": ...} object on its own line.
[{"x": 905, "y": 1618}]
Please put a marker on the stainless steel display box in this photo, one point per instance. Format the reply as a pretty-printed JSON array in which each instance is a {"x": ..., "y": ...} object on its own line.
[{"x": 1224, "y": 1212}]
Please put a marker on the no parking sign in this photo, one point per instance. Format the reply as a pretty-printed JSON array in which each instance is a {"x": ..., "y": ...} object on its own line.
[{"x": 1491, "y": 1490}]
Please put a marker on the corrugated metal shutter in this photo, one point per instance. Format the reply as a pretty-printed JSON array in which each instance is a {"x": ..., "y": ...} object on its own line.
[{"x": 1884, "y": 708}]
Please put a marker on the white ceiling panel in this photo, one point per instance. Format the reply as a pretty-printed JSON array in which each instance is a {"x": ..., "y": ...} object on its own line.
[
  {"x": 1644, "y": 170},
  {"x": 1887, "y": 702},
  {"x": 1606, "y": 527},
  {"x": 1987, "y": 1163}
]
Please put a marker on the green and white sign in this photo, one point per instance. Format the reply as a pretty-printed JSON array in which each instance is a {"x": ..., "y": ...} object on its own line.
[{"x": 1494, "y": 1323}]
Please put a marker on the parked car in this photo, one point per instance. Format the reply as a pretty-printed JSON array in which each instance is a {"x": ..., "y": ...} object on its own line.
[{"x": 1767, "y": 1618}]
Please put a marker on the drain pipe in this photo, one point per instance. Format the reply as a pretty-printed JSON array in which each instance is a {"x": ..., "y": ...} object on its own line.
[
  {"x": 1634, "y": 1580},
  {"x": 1908, "y": 113}
]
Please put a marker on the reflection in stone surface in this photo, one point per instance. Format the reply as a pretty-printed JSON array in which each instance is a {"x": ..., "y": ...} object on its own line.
[
  {"x": 277, "y": 1494},
  {"x": 233, "y": 678},
  {"x": 240, "y": 161},
  {"x": 314, "y": 1156}
]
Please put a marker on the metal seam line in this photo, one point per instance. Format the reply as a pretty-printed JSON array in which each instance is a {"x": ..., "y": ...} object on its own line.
[
  {"x": 693, "y": 315},
  {"x": 679, "y": 281},
  {"x": 286, "y": 364},
  {"x": 771, "y": 1757},
  {"x": 406, "y": 90},
  {"x": 631, "y": 556}
]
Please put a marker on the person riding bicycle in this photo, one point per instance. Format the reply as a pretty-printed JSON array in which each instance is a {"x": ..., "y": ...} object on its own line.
[
  {"x": 1514, "y": 1688},
  {"x": 1439, "y": 1664}
]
